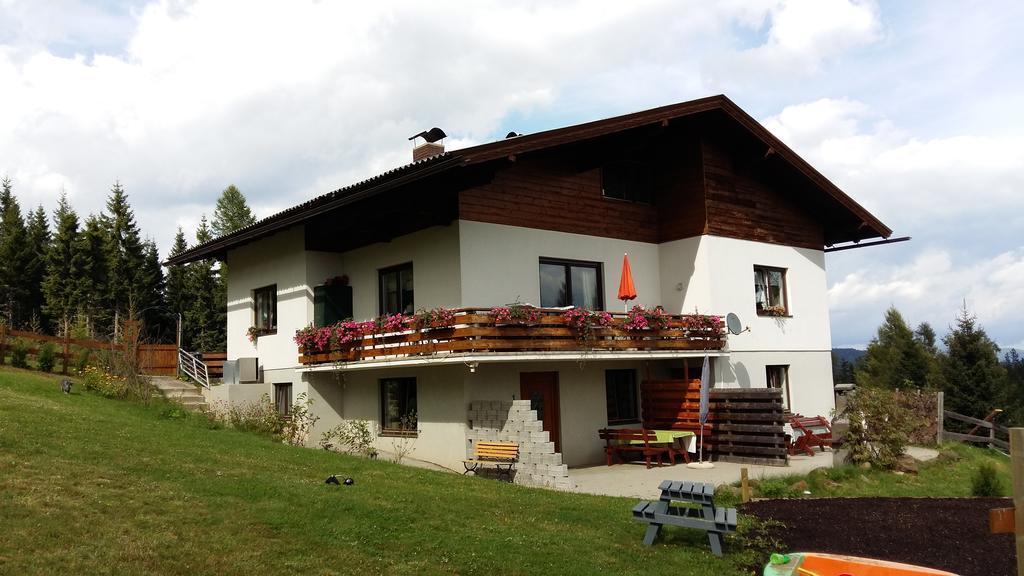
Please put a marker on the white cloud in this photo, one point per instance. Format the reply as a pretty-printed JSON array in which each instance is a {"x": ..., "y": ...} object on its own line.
[{"x": 933, "y": 287}]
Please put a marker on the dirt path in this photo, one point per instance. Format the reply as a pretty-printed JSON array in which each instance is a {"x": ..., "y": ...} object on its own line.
[{"x": 947, "y": 533}]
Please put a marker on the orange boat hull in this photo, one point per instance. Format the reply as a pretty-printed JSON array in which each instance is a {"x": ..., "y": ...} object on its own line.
[{"x": 815, "y": 564}]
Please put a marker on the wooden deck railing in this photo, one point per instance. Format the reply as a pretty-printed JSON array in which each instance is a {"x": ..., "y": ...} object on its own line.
[{"x": 474, "y": 330}]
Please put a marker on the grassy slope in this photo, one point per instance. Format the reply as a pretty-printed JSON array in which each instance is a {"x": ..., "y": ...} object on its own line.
[
  {"x": 948, "y": 476},
  {"x": 96, "y": 486}
]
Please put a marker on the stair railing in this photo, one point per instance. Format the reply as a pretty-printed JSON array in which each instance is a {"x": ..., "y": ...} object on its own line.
[{"x": 194, "y": 368}]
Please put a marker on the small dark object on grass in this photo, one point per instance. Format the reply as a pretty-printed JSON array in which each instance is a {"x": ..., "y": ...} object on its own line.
[
  {"x": 349, "y": 482},
  {"x": 65, "y": 386},
  {"x": 332, "y": 479}
]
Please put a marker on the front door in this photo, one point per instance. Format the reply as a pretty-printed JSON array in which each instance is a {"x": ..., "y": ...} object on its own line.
[{"x": 541, "y": 389}]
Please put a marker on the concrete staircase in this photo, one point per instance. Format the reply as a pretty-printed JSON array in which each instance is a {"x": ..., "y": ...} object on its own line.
[{"x": 183, "y": 393}]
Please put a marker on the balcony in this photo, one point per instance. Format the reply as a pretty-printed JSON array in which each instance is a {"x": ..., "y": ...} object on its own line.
[{"x": 514, "y": 333}]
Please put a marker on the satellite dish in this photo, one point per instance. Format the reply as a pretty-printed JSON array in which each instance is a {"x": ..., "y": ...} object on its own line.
[{"x": 732, "y": 322}]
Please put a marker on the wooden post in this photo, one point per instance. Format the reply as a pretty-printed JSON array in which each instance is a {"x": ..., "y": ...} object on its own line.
[
  {"x": 1017, "y": 478},
  {"x": 744, "y": 486},
  {"x": 940, "y": 401}
]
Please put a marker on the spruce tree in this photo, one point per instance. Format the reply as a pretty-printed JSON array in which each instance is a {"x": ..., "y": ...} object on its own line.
[
  {"x": 176, "y": 288},
  {"x": 152, "y": 305},
  {"x": 975, "y": 380},
  {"x": 37, "y": 247},
  {"x": 124, "y": 255},
  {"x": 232, "y": 212},
  {"x": 13, "y": 258},
  {"x": 62, "y": 275},
  {"x": 91, "y": 278},
  {"x": 894, "y": 358},
  {"x": 203, "y": 330},
  {"x": 1014, "y": 401}
]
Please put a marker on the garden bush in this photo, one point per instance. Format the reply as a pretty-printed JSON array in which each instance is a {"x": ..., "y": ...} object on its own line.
[
  {"x": 300, "y": 422},
  {"x": 985, "y": 481},
  {"x": 352, "y": 436},
  {"x": 47, "y": 357},
  {"x": 19, "y": 353},
  {"x": 879, "y": 427},
  {"x": 100, "y": 381},
  {"x": 775, "y": 488},
  {"x": 260, "y": 416}
]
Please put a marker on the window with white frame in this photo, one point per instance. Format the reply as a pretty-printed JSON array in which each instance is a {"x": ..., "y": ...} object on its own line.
[{"x": 770, "y": 291}]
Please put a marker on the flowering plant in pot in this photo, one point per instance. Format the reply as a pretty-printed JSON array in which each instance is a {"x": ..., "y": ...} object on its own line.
[
  {"x": 702, "y": 323},
  {"x": 392, "y": 322},
  {"x": 777, "y": 310},
  {"x": 253, "y": 334},
  {"x": 439, "y": 317},
  {"x": 584, "y": 322},
  {"x": 641, "y": 318},
  {"x": 516, "y": 313}
]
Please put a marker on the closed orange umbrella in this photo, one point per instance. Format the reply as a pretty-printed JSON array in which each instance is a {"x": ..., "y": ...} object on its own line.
[{"x": 627, "y": 291}]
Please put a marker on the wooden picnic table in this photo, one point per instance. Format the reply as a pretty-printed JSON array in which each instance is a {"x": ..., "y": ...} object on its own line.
[
  {"x": 705, "y": 516},
  {"x": 680, "y": 443}
]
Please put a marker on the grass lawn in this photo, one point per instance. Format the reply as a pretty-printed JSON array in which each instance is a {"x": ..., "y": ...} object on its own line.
[
  {"x": 948, "y": 476},
  {"x": 96, "y": 486}
]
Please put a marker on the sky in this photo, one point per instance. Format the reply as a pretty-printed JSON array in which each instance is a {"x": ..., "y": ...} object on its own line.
[{"x": 909, "y": 107}]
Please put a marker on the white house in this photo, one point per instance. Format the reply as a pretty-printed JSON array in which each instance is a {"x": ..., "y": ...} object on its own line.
[{"x": 715, "y": 213}]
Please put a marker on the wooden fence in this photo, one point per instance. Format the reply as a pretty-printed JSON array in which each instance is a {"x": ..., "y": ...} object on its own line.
[
  {"x": 154, "y": 359},
  {"x": 991, "y": 437},
  {"x": 743, "y": 425}
]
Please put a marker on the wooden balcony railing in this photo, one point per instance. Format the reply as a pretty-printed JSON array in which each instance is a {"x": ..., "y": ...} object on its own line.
[{"x": 476, "y": 330}]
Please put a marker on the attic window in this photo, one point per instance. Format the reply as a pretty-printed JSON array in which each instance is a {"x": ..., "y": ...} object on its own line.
[{"x": 630, "y": 181}]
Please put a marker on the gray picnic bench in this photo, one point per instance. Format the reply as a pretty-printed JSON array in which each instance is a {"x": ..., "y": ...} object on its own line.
[{"x": 715, "y": 521}]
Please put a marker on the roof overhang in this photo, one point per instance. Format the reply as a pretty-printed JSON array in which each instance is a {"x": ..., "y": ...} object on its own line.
[{"x": 870, "y": 226}]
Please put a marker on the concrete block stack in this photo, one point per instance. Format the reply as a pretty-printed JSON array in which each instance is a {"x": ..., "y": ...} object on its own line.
[{"x": 514, "y": 421}]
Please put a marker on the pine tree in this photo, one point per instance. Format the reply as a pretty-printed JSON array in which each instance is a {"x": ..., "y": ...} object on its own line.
[
  {"x": 91, "y": 278},
  {"x": 894, "y": 358},
  {"x": 232, "y": 212},
  {"x": 176, "y": 288},
  {"x": 975, "y": 381},
  {"x": 13, "y": 258},
  {"x": 152, "y": 305},
  {"x": 62, "y": 275},
  {"x": 204, "y": 330},
  {"x": 1014, "y": 402},
  {"x": 37, "y": 247},
  {"x": 124, "y": 255}
]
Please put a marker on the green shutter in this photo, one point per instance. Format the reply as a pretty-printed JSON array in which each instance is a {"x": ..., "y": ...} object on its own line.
[{"x": 331, "y": 304}]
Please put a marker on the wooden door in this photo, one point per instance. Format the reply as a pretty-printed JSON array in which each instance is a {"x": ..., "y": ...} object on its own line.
[{"x": 541, "y": 389}]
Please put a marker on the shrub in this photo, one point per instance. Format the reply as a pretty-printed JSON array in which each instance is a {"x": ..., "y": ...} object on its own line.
[
  {"x": 83, "y": 359},
  {"x": 774, "y": 488},
  {"x": 352, "y": 436},
  {"x": 47, "y": 357},
  {"x": 100, "y": 381},
  {"x": 19, "y": 353},
  {"x": 260, "y": 416},
  {"x": 297, "y": 426},
  {"x": 985, "y": 481},
  {"x": 879, "y": 427}
]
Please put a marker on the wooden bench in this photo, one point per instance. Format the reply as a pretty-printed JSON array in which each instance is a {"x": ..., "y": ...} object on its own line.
[
  {"x": 809, "y": 431},
  {"x": 619, "y": 441},
  {"x": 705, "y": 516},
  {"x": 501, "y": 455}
]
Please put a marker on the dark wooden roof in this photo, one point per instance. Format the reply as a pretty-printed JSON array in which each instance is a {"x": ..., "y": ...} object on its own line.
[{"x": 510, "y": 147}]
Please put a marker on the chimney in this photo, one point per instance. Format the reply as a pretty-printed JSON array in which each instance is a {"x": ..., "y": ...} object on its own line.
[{"x": 432, "y": 144}]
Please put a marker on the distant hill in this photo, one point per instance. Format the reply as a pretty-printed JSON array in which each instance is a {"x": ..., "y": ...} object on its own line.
[{"x": 851, "y": 355}]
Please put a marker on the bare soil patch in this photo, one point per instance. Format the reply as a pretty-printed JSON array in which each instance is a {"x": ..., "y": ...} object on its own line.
[{"x": 946, "y": 533}]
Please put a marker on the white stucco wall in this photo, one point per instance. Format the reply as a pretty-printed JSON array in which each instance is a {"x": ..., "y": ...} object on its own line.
[
  {"x": 280, "y": 260},
  {"x": 434, "y": 253},
  {"x": 441, "y": 408},
  {"x": 501, "y": 264},
  {"x": 721, "y": 281}
]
